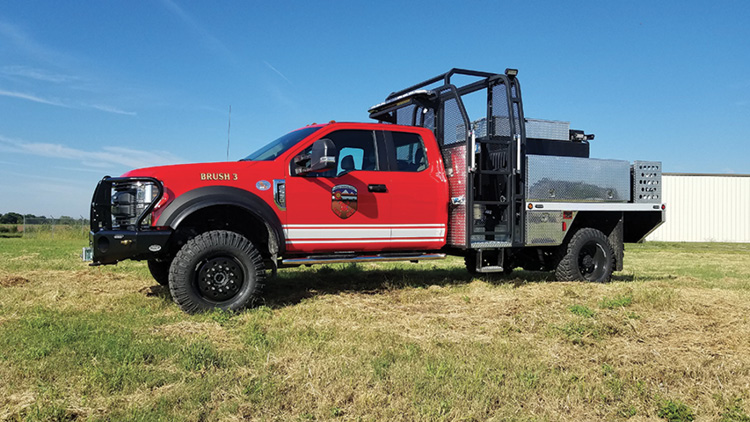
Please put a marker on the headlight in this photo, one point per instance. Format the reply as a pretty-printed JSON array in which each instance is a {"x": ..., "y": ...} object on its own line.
[{"x": 129, "y": 200}]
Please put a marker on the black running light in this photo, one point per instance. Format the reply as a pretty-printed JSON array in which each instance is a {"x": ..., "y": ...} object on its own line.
[{"x": 511, "y": 73}]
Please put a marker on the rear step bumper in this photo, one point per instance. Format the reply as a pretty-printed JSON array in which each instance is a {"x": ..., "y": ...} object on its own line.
[{"x": 336, "y": 259}]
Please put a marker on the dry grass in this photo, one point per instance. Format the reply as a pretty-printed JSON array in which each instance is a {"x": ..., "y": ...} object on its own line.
[
  {"x": 12, "y": 280},
  {"x": 380, "y": 342}
]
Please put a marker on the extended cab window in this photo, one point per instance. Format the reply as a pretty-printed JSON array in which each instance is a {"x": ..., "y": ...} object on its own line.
[
  {"x": 410, "y": 155},
  {"x": 357, "y": 150}
]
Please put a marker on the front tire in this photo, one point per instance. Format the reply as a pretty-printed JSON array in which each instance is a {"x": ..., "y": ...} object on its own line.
[
  {"x": 588, "y": 257},
  {"x": 160, "y": 271},
  {"x": 216, "y": 270}
]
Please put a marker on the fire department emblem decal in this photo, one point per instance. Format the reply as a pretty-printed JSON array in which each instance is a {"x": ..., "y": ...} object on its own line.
[{"x": 344, "y": 200}]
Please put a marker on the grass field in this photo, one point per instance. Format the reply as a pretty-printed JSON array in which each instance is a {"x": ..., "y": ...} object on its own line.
[{"x": 668, "y": 339}]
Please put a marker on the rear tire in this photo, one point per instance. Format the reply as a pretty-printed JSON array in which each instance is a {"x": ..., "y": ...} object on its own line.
[
  {"x": 160, "y": 271},
  {"x": 588, "y": 256},
  {"x": 216, "y": 270}
]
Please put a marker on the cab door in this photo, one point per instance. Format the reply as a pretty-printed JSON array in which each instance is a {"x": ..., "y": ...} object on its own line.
[
  {"x": 417, "y": 190},
  {"x": 346, "y": 209}
]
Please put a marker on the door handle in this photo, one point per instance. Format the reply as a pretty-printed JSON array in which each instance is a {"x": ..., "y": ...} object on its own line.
[{"x": 377, "y": 188}]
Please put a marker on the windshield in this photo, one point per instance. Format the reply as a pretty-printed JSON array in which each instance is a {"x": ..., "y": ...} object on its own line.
[{"x": 279, "y": 146}]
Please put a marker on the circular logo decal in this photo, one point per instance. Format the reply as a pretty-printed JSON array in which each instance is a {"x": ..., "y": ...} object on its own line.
[{"x": 263, "y": 185}]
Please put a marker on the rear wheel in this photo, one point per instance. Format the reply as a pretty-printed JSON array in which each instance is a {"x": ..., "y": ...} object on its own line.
[
  {"x": 216, "y": 270},
  {"x": 588, "y": 256},
  {"x": 160, "y": 271}
]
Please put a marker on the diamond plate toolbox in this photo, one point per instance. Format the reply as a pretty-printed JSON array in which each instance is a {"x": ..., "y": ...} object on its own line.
[
  {"x": 572, "y": 179},
  {"x": 547, "y": 129},
  {"x": 545, "y": 228}
]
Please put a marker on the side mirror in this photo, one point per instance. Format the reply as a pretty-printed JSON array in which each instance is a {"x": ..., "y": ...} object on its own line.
[{"x": 322, "y": 157}]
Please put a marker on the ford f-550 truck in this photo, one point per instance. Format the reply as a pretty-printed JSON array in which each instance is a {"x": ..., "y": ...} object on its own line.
[{"x": 427, "y": 180}]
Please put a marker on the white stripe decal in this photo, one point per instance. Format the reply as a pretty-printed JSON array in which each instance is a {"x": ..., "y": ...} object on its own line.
[
  {"x": 356, "y": 226},
  {"x": 338, "y": 234},
  {"x": 417, "y": 232},
  {"x": 362, "y": 233},
  {"x": 301, "y": 242}
]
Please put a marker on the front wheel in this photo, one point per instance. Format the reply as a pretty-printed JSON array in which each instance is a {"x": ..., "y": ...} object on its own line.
[
  {"x": 588, "y": 256},
  {"x": 216, "y": 270},
  {"x": 160, "y": 271}
]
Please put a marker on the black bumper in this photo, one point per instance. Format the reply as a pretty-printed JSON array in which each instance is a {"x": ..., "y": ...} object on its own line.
[{"x": 111, "y": 246}]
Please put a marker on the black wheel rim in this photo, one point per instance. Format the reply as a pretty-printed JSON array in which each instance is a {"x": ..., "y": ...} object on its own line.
[
  {"x": 220, "y": 278},
  {"x": 591, "y": 261}
]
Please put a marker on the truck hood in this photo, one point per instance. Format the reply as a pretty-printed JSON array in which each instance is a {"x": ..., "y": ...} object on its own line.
[
  {"x": 181, "y": 178},
  {"x": 162, "y": 172}
]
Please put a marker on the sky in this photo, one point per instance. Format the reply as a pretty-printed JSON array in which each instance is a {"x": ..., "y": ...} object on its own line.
[{"x": 95, "y": 88}]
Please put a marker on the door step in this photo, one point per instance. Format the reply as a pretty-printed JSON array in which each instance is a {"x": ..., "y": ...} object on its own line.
[
  {"x": 489, "y": 261},
  {"x": 342, "y": 258}
]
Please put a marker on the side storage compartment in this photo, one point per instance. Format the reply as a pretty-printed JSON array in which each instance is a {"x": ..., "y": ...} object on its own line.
[{"x": 573, "y": 179}]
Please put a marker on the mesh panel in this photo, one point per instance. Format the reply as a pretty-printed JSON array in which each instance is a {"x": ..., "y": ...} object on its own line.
[
  {"x": 405, "y": 115},
  {"x": 500, "y": 110},
  {"x": 454, "y": 129}
]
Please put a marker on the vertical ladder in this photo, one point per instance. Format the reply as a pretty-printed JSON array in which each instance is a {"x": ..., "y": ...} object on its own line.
[{"x": 496, "y": 187}]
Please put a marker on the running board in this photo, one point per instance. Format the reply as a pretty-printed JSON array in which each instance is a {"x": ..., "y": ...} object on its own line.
[{"x": 337, "y": 259}]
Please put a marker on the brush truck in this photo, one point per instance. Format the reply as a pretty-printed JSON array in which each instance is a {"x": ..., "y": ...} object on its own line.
[{"x": 433, "y": 177}]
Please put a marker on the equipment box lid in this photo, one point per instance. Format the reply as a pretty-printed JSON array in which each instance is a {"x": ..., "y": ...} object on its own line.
[{"x": 573, "y": 179}]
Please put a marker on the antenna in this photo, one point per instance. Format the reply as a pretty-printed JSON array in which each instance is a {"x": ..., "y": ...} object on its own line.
[{"x": 229, "y": 128}]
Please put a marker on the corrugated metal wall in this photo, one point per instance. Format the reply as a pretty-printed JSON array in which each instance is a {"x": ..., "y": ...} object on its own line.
[{"x": 705, "y": 208}]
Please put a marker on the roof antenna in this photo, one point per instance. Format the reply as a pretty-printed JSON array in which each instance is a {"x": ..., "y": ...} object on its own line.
[{"x": 229, "y": 128}]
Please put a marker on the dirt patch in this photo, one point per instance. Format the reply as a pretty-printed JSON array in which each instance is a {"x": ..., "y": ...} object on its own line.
[
  {"x": 13, "y": 280},
  {"x": 155, "y": 291}
]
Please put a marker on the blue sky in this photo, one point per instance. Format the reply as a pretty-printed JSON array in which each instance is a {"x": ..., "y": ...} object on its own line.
[{"x": 90, "y": 88}]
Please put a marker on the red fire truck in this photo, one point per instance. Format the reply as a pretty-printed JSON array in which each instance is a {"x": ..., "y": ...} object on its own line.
[{"x": 427, "y": 180}]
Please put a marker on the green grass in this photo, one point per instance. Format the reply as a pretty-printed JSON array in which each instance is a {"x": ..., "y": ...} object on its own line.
[
  {"x": 675, "y": 411},
  {"x": 667, "y": 339},
  {"x": 619, "y": 301}
]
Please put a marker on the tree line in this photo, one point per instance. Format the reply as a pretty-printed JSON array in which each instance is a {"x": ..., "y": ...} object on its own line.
[{"x": 16, "y": 218}]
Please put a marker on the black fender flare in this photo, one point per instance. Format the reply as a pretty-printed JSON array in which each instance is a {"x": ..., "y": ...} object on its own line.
[{"x": 208, "y": 196}]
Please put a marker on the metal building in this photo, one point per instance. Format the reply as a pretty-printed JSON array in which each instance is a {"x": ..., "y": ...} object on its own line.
[{"x": 705, "y": 208}]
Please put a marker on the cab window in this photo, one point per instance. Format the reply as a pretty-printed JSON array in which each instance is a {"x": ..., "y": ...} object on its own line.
[
  {"x": 357, "y": 150},
  {"x": 410, "y": 153}
]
